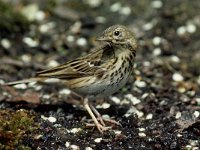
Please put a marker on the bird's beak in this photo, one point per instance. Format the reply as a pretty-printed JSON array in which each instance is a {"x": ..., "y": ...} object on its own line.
[{"x": 103, "y": 38}]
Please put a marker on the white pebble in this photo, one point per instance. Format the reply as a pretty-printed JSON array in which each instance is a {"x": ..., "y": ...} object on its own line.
[
  {"x": 179, "y": 135},
  {"x": 149, "y": 116},
  {"x": 145, "y": 95},
  {"x": 175, "y": 59},
  {"x": 115, "y": 99},
  {"x": 141, "y": 129},
  {"x": 93, "y": 3},
  {"x": 52, "y": 63},
  {"x": 125, "y": 11},
  {"x": 52, "y": 80},
  {"x": 196, "y": 114},
  {"x": 181, "y": 30},
  {"x": 46, "y": 27},
  {"x": 197, "y": 100},
  {"x": 39, "y": 15},
  {"x": 75, "y": 147},
  {"x": 156, "y": 51},
  {"x": 140, "y": 83},
  {"x": 26, "y": 58},
  {"x": 2, "y": 82},
  {"x": 30, "y": 11},
  {"x": 117, "y": 132},
  {"x": 5, "y": 43},
  {"x": 65, "y": 92},
  {"x": 98, "y": 140},
  {"x": 104, "y": 106},
  {"x": 142, "y": 134},
  {"x": 21, "y": 86},
  {"x": 148, "y": 26},
  {"x": 115, "y": 7},
  {"x": 146, "y": 63},
  {"x": 46, "y": 96},
  {"x": 81, "y": 42},
  {"x": 67, "y": 144},
  {"x": 100, "y": 19},
  {"x": 133, "y": 99},
  {"x": 157, "y": 40},
  {"x": 75, "y": 130},
  {"x": 191, "y": 28},
  {"x": 178, "y": 115},
  {"x": 156, "y": 4},
  {"x": 52, "y": 119},
  {"x": 30, "y": 42},
  {"x": 133, "y": 110},
  {"x": 88, "y": 148},
  {"x": 177, "y": 77}
]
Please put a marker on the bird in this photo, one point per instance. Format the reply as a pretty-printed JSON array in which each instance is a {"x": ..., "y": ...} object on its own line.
[{"x": 100, "y": 73}]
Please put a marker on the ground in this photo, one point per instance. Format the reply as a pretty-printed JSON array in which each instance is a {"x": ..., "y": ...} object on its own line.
[{"x": 159, "y": 108}]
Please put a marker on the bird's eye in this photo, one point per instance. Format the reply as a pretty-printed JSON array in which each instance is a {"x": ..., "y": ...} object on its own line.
[{"x": 116, "y": 33}]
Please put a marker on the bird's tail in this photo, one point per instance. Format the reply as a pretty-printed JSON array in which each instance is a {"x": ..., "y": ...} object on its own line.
[{"x": 24, "y": 81}]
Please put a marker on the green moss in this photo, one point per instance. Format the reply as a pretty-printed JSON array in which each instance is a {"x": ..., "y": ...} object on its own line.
[{"x": 14, "y": 127}]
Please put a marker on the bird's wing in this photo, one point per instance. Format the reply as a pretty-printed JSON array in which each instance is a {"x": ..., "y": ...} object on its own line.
[{"x": 81, "y": 67}]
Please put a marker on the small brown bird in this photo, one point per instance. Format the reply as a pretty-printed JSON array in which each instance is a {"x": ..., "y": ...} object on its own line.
[{"x": 100, "y": 73}]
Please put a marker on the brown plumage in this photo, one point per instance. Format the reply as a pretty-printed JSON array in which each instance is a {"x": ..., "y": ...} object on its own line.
[{"x": 100, "y": 73}]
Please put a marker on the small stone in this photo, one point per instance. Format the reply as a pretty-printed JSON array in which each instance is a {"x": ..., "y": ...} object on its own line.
[
  {"x": 178, "y": 115},
  {"x": 88, "y": 148},
  {"x": 181, "y": 30},
  {"x": 52, "y": 63},
  {"x": 30, "y": 11},
  {"x": 115, "y": 7},
  {"x": 175, "y": 59},
  {"x": 93, "y": 3},
  {"x": 75, "y": 130},
  {"x": 117, "y": 132},
  {"x": 179, "y": 135},
  {"x": 46, "y": 27},
  {"x": 156, "y": 51},
  {"x": 140, "y": 84},
  {"x": 52, "y": 119},
  {"x": 21, "y": 86},
  {"x": 98, "y": 140},
  {"x": 46, "y": 96},
  {"x": 157, "y": 40},
  {"x": 5, "y": 43},
  {"x": 74, "y": 147},
  {"x": 115, "y": 99},
  {"x": 197, "y": 100},
  {"x": 145, "y": 95},
  {"x": 100, "y": 19},
  {"x": 52, "y": 80},
  {"x": 104, "y": 106},
  {"x": 70, "y": 38},
  {"x": 191, "y": 28},
  {"x": 181, "y": 89},
  {"x": 125, "y": 11},
  {"x": 196, "y": 114},
  {"x": 30, "y": 42},
  {"x": 148, "y": 26},
  {"x": 142, "y": 134},
  {"x": 40, "y": 15},
  {"x": 177, "y": 77},
  {"x": 65, "y": 92},
  {"x": 156, "y": 4},
  {"x": 81, "y": 42},
  {"x": 133, "y": 99},
  {"x": 149, "y": 116},
  {"x": 141, "y": 129},
  {"x": 2, "y": 82},
  {"x": 67, "y": 144},
  {"x": 26, "y": 58}
]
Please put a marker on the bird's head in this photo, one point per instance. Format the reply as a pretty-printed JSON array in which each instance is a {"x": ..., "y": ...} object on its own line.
[{"x": 118, "y": 35}]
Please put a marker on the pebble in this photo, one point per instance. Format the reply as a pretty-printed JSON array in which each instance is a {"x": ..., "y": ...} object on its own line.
[
  {"x": 65, "y": 92},
  {"x": 74, "y": 147},
  {"x": 52, "y": 63},
  {"x": 197, "y": 100},
  {"x": 116, "y": 100},
  {"x": 81, "y": 42},
  {"x": 181, "y": 30},
  {"x": 175, "y": 59},
  {"x": 179, "y": 135},
  {"x": 133, "y": 99},
  {"x": 148, "y": 26},
  {"x": 157, "y": 40},
  {"x": 30, "y": 11},
  {"x": 141, "y": 129},
  {"x": 26, "y": 58},
  {"x": 156, "y": 4},
  {"x": 149, "y": 116},
  {"x": 196, "y": 114},
  {"x": 133, "y": 110},
  {"x": 98, "y": 140},
  {"x": 52, "y": 119},
  {"x": 100, "y": 19},
  {"x": 21, "y": 86},
  {"x": 52, "y": 80},
  {"x": 115, "y": 7},
  {"x": 93, "y": 3},
  {"x": 2, "y": 82},
  {"x": 177, "y": 77},
  {"x": 142, "y": 134},
  {"x": 125, "y": 11},
  {"x": 178, "y": 115},
  {"x": 30, "y": 42},
  {"x": 156, "y": 51},
  {"x": 88, "y": 148},
  {"x": 46, "y": 96},
  {"x": 191, "y": 28},
  {"x": 104, "y": 106},
  {"x": 67, "y": 144},
  {"x": 46, "y": 27},
  {"x": 70, "y": 38},
  {"x": 75, "y": 130},
  {"x": 117, "y": 132},
  {"x": 5, "y": 43},
  {"x": 140, "y": 84}
]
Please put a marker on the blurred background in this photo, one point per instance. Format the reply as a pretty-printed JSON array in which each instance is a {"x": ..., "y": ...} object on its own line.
[{"x": 163, "y": 93}]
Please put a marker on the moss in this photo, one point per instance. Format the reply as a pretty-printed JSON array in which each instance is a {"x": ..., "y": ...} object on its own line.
[{"x": 14, "y": 127}]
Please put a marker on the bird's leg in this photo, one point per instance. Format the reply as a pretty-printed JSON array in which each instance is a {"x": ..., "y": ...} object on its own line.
[
  {"x": 99, "y": 126},
  {"x": 101, "y": 119}
]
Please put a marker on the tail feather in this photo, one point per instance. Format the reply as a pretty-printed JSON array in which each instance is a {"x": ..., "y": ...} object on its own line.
[{"x": 24, "y": 81}]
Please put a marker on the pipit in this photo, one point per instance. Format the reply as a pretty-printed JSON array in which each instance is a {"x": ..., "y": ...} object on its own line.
[{"x": 100, "y": 73}]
